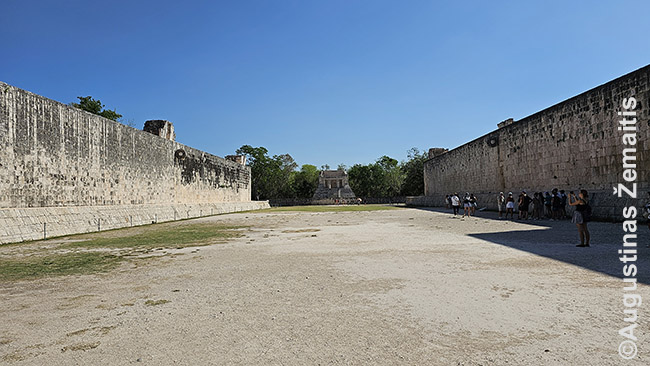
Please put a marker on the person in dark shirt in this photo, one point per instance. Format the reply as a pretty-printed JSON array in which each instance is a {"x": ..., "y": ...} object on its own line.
[
  {"x": 538, "y": 205},
  {"x": 467, "y": 205},
  {"x": 473, "y": 202},
  {"x": 525, "y": 205},
  {"x": 520, "y": 202},
  {"x": 563, "y": 201},
  {"x": 556, "y": 202},
  {"x": 548, "y": 201}
]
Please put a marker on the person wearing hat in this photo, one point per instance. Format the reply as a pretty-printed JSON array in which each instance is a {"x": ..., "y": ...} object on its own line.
[{"x": 501, "y": 203}]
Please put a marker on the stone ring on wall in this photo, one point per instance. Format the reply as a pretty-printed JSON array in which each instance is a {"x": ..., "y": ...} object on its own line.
[
  {"x": 180, "y": 154},
  {"x": 493, "y": 141}
]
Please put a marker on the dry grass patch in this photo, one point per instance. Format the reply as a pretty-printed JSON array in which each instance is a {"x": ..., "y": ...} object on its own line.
[{"x": 156, "y": 302}]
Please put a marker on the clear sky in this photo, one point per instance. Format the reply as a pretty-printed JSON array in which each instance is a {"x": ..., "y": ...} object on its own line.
[{"x": 327, "y": 81}]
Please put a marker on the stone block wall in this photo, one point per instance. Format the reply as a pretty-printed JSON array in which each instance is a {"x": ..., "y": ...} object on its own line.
[
  {"x": 22, "y": 224},
  {"x": 55, "y": 156},
  {"x": 572, "y": 145}
]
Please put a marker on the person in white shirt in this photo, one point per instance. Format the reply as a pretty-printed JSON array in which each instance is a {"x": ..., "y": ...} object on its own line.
[
  {"x": 455, "y": 203},
  {"x": 501, "y": 203}
]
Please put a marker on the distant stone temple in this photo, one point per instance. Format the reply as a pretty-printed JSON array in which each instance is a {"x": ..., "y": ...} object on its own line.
[{"x": 333, "y": 184}]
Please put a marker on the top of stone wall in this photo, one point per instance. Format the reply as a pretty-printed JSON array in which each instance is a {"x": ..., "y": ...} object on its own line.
[
  {"x": 511, "y": 123},
  {"x": 5, "y": 87}
]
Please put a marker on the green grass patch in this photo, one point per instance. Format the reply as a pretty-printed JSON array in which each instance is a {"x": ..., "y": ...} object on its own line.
[
  {"x": 47, "y": 262},
  {"x": 323, "y": 208},
  {"x": 159, "y": 236},
  {"x": 33, "y": 267}
]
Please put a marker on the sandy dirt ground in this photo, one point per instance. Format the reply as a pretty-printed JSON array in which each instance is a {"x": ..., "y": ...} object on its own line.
[{"x": 399, "y": 287}]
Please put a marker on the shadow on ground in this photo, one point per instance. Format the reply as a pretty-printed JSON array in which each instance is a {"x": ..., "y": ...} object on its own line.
[{"x": 557, "y": 240}]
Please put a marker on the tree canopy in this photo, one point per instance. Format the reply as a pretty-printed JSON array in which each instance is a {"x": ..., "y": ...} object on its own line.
[
  {"x": 271, "y": 177},
  {"x": 95, "y": 106},
  {"x": 386, "y": 177},
  {"x": 278, "y": 176}
]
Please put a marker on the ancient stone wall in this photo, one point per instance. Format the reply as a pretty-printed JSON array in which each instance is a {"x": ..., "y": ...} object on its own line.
[
  {"x": 54, "y": 155},
  {"x": 571, "y": 145}
]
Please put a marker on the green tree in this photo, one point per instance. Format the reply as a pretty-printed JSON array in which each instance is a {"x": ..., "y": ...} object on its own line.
[
  {"x": 91, "y": 105},
  {"x": 413, "y": 170},
  {"x": 305, "y": 181},
  {"x": 271, "y": 177},
  {"x": 382, "y": 178},
  {"x": 361, "y": 180},
  {"x": 391, "y": 177}
]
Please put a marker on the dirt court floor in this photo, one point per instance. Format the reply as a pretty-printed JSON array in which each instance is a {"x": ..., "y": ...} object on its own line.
[{"x": 395, "y": 287}]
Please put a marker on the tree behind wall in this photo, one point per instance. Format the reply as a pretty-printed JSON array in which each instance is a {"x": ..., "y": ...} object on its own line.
[
  {"x": 382, "y": 178},
  {"x": 271, "y": 177},
  {"x": 91, "y": 105},
  {"x": 413, "y": 170},
  {"x": 305, "y": 181},
  {"x": 388, "y": 178}
]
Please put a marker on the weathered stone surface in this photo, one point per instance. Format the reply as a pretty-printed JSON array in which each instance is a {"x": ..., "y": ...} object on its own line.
[
  {"x": 36, "y": 223},
  {"x": 239, "y": 159},
  {"x": 333, "y": 184},
  {"x": 571, "y": 145},
  {"x": 54, "y": 155},
  {"x": 161, "y": 128}
]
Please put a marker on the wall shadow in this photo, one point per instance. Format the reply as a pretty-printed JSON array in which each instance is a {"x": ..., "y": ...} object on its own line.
[{"x": 557, "y": 240}]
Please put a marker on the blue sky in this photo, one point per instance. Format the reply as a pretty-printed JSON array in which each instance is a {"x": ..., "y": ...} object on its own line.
[{"x": 329, "y": 82}]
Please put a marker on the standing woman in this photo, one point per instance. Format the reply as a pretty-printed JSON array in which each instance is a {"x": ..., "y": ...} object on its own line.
[
  {"x": 537, "y": 204},
  {"x": 501, "y": 203},
  {"x": 580, "y": 215},
  {"x": 474, "y": 203},
  {"x": 466, "y": 205},
  {"x": 510, "y": 206}
]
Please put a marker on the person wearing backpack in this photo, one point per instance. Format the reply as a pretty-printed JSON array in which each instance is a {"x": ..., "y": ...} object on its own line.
[{"x": 581, "y": 215}]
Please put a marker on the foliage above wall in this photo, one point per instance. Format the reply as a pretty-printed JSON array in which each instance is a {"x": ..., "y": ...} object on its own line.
[
  {"x": 277, "y": 176},
  {"x": 95, "y": 106}
]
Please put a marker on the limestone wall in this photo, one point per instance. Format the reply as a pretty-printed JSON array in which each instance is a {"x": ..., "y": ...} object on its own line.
[
  {"x": 571, "y": 145},
  {"x": 21, "y": 224},
  {"x": 56, "y": 156}
]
